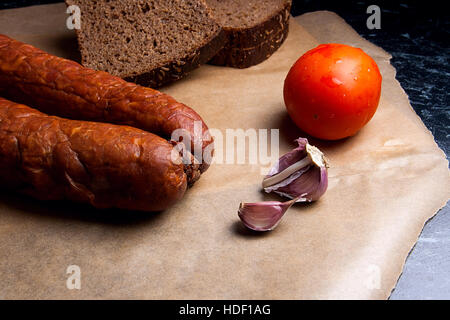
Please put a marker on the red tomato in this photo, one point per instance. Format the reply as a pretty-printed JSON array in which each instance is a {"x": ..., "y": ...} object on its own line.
[{"x": 332, "y": 91}]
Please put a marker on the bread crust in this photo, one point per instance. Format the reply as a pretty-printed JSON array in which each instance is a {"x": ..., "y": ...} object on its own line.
[
  {"x": 250, "y": 46},
  {"x": 105, "y": 165},
  {"x": 244, "y": 58}
]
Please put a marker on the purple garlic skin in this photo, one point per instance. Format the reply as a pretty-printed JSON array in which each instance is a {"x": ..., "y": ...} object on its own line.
[
  {"x": 308, "y": 182},
  {"x": 263, "y": 216}
]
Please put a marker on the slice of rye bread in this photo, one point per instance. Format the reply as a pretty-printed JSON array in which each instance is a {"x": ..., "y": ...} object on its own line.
[
  {"x": 255, "y": 29},
  {"x": 150, "y": 42}
]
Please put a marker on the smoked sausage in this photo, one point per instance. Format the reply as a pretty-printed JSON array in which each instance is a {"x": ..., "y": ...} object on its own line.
[
  {"x": 106, "y": 165},
  {"x": 64, "y": 88}
]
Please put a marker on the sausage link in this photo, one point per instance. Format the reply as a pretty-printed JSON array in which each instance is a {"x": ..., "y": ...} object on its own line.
[
  {"x": 106, "y": 165},
  {"x": 64, "y": 88}
]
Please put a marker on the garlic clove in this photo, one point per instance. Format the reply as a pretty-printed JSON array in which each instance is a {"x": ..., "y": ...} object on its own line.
[
  {"x": 303, "y": 171},
  {"x": 263, "y": 216}
]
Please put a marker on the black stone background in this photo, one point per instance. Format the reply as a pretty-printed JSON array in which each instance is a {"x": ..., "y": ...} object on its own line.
[{"x": 417, "y": 35}]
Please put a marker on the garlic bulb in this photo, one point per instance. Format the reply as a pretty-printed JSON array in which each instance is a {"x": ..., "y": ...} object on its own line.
[{"x": 300, "y": 175}]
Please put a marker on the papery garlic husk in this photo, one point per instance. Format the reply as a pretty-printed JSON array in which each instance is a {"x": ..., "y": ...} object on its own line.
[
  {"x": 301, "y": 173},
  {"x": 263, "y": 216}
]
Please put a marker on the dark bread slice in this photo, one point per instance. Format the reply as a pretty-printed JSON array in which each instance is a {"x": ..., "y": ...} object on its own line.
[
  {"x": 255, "y": 29},
  {"x": 243, "y": 58},
  {"x": 150, "y": 42}
]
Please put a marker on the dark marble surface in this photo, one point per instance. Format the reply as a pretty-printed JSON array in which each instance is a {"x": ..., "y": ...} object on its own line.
[{"x": 417, "y": 35}]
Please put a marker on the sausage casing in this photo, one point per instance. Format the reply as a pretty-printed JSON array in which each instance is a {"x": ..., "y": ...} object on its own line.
[
  {"x": 106, "y": 165},
  {"x": 64, "y": 88}
]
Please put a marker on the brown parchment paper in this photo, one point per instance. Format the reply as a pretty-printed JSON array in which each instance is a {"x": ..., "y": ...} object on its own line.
[{"x": 384, "y": 184}]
